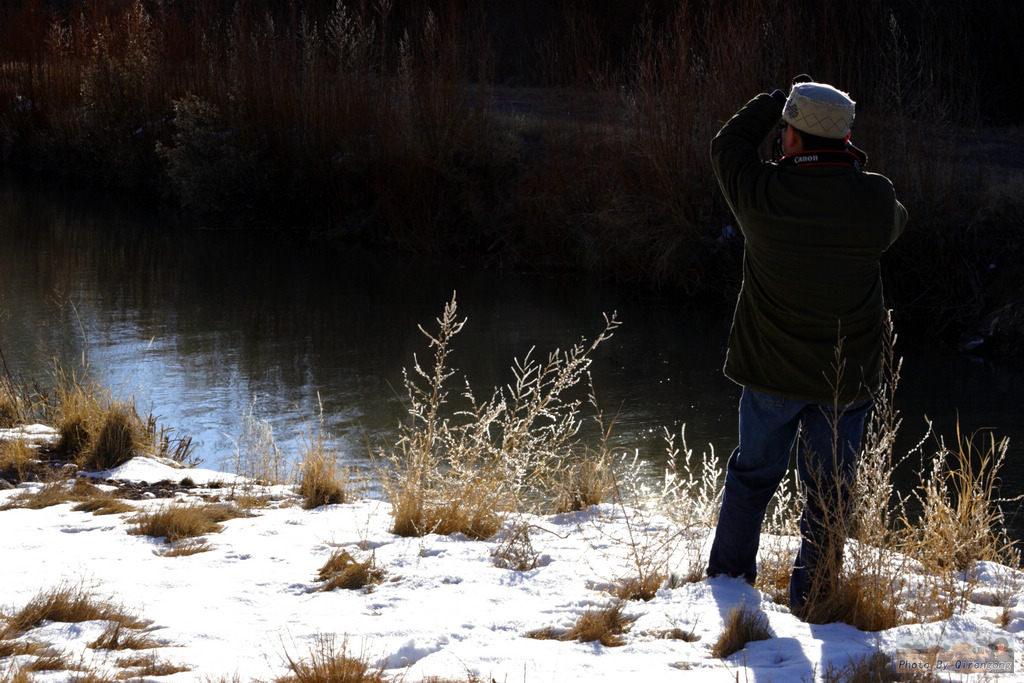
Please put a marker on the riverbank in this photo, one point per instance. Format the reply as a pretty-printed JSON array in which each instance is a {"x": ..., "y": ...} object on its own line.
[
  {"x": 391, "y": 131},
  {"x": 586, "y": 569},
  {"x": 96, "y": 592}
]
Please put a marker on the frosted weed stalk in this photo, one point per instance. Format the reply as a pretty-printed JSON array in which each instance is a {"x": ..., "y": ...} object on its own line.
[
  {"x": 465, "y": 470},
  {"x": 256, "y": 456},
  {"x": 691, "y": 495}
]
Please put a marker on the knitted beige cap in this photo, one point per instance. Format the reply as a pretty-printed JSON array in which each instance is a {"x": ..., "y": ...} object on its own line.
[{"x": 819, "y": 109}]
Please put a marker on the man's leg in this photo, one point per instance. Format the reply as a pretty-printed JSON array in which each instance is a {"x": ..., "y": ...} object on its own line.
[
  {"x": 827, "y": 461},
  {"x": 768, "y": 425}
]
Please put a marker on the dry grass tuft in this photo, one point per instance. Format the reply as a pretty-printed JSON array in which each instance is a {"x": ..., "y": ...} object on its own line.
[
  {"x": 54, "y": 492},
  {"x": 962, "y": 520},
  {"x": 19, "y": 460},
  {"x": 70, "y": 604},
  {"x": 342, "y": 571},
  {"x": 120, "y": 435},
  {"x": 874, "y": 668},
  {"x": 586, "y": 482},
  {"x": 10, "y": 406},
  {"x": 330, "y": 662},
  {"x": 743, "y": 626},
  {"x": 92, "y": 677},
  {"x": 605, "y": 625},
  {"x": 59, "y": 490},
  {"x": 323, "y": 479},
  {"x": 148, "y": 666},
  {"x": 103, "y": 503},
  {"x": 9, "y": 647},
  {"x": 120, "y": 637},
  {"x": 49, "y": 661},
  {"x": 640, "y": 588},
  {"x": 186, "y": 547},
  {"x": 676, "y": 633},
  {"x": 15, "y": 675},
  {"x": 99, "y": 431},
  {"x": 175, "y": 522}
]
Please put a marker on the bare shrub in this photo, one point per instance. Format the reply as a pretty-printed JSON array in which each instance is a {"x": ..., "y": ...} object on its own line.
[
  {"x": 744, "y": 625},
  {"x": 781, "y": 528},
  {"x": 904, "y": 567},
  {"x": 515, "y": 550},
  {"x": 465, "y": 472},
  {"x": 205, "y": 165},
  {"x": 861, "y": 587},
  {"x": 688, "y": 498}
]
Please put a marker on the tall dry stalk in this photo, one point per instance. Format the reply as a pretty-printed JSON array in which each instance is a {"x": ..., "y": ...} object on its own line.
[{"x": 256, "y": 456}]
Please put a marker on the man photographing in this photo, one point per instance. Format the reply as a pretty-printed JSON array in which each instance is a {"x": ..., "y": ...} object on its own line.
[{"x": 815, "y": 225}]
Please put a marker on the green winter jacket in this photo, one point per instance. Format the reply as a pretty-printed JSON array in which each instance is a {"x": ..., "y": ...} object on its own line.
[{"x": 813, "y": 238}]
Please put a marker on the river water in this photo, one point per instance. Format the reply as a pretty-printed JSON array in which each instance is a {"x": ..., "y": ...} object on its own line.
[{"x": 202, "y": 327}]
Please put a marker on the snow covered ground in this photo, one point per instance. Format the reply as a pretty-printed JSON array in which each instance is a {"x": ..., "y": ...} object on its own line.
[{"x": 444, "y": 608}]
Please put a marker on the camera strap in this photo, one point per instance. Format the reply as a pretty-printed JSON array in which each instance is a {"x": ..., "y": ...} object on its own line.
[{"x": 825, "y": 157}]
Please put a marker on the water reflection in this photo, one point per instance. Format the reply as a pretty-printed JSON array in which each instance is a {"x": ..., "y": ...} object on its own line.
[{"x": 196, "y": 323}]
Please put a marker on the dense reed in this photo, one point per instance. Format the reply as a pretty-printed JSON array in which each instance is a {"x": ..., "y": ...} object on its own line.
[{"x": 407, "y": 124}]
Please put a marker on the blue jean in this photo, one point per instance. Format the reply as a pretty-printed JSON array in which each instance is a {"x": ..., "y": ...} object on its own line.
[{"x": 826, "y": 457}]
